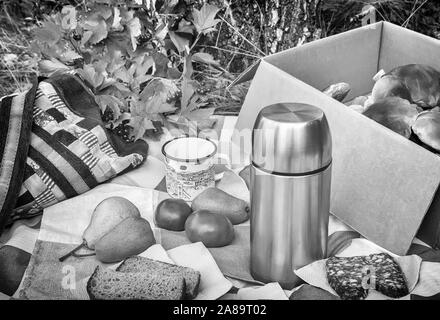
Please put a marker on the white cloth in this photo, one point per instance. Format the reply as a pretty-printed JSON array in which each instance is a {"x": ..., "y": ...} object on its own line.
[
  {"x": 23, "y": 234},
  {"x": 67, "y": 227},
  {"x": 66, "y": 221},
  {"x": 270, "y": 291},
  {"x": 412, "y": 266},
  {"x": 212, "y": 282}
]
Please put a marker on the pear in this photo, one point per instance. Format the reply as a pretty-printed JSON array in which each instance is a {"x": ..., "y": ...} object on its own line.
[
  {"x": 131, "y": 237},
  {"x": 107, "y": 215},
  {"x": 218, "y": 201}
]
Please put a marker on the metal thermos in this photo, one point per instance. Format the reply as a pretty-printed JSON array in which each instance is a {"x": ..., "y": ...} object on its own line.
[{"x": 290, "y": 191}]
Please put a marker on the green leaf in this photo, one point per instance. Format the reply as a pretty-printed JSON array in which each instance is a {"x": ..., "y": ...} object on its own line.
[
  {"x": 123, "y": 75},
  {"x": 194, "y": 103},
  {"x": 204, "y": 57},
  {"x": 88, "y": 72},
  {"x": 181, "y": 43},
  {"x": 159, "y": 96},
  {"x": 188, "y": 89},
  {"x": 185, "y": 27},
  {"x": 115, "y": 60},
  {"x": 50, "y": 67},
  {"x": 168, "y": 5},
  {"x": 69, "y": 56},
  {"x": 143, "y": 64},
  {"x": 201, "y": 117},
  {"x": 119, "y": 41},
  {"x": 161, "y": 31},
  {"x": 188, "y": 67},
  {"x": 161, "y": 62},
  {"x": 140, "y": 124},
  {"x": 116, "y": 23},
  {"x": 204, "y": 19},
  {"x": 68, "y": 21},
  {"x": 200, "y": 114},
  {"x": 106, "y": 101},
  {"x": 104, "y": 11},
  {"x": 96, "y": 30},
  {"x": 49, "y": 33},
  {"x": 134, "y": 29}
]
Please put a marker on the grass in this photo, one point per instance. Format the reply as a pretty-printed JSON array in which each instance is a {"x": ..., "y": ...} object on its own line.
[{"x": 18, "y": 64}]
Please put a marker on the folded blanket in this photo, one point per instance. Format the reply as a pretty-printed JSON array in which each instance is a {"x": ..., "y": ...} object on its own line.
[{"x": 54, "y": 146}]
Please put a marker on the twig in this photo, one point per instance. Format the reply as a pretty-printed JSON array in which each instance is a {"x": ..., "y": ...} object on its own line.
[
  {"x": 15, "y": 79},
  {"x": 230, "y": 51},
  {"x": 218, "y": 34},
  {"x": 405, "y": 24},
  {"x": 240, "y": 50},
  {"x": 244, "y": 38}
]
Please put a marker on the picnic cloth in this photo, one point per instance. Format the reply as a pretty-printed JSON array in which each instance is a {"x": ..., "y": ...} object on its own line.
[
  {"x": 341, "y": 236},
  {"x": 48, "y": 278},
  {"x": 63, "y": 224}
]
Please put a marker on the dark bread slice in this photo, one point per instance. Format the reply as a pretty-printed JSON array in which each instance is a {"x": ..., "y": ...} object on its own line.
[
  {"x": 141, "y": 264},
  {"x": 106, "y": 284}
]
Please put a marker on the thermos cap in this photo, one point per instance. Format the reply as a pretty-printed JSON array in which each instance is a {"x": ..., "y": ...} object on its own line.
[{"x": 291, "y": 138}]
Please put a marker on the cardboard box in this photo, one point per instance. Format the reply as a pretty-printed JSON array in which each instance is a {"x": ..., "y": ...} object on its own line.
[{"x": 383, "y": 185}]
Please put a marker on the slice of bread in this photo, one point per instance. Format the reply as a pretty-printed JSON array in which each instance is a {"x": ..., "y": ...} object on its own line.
[
  {"x": 141, "y": 264},
  {"x": 106, "y": 284}
]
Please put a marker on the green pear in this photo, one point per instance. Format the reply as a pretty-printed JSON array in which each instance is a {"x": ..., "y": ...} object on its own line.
[
  {"x": 218, "y": 201},
  {"x": 107, "y": 215},
  {"x": 131, "y": 237}
]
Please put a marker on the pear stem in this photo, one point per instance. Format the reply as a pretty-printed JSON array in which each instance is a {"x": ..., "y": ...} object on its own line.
[
  {"x": 70, "y": 253},
  {"x": 84, "y": 255}
]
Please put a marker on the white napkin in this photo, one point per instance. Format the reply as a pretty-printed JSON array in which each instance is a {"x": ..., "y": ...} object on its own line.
[
  {"x": 65, "y": 222},
  {"x": 270, "y": 291},
  {"x": 148, "y": 175},
  {"x": 429, "y": 280},
  {"x": 234, "y": 185},
  {"x": 157, "y": 252},
  {"x": 23, "y": 234},
  {"x": 315, "y": 273},
  {"x": 212, "y": 283}
]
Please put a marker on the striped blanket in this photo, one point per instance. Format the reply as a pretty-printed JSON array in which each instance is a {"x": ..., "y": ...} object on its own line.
[{"x": 54, "y": 146}]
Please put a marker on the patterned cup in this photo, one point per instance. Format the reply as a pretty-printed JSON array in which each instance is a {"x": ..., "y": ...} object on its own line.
[{"x": 190, "y": 166}]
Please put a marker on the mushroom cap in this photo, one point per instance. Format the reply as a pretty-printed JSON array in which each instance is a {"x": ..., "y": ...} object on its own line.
[
  {"x": 421, "y": 81},
  {"x": 390, "y": 86},
  {"x": 394, "y": 113},
  {"x": 427, "y": 128}
]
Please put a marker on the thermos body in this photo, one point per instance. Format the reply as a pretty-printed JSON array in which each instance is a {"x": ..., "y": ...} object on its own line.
[
  {"x": 290, "y": 184},
  {"x": 289, "y": 225}
]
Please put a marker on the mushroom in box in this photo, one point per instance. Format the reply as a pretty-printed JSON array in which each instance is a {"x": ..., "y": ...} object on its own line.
[{"x": 398, "y": 99}]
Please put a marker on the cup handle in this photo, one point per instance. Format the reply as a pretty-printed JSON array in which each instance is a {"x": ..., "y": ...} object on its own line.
[{"x": 224, "y": 157}]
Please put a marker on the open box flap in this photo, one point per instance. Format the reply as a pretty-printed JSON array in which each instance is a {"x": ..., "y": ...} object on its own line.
[
  {"x": 376, "y": 186},
  {"x": 247, "y": 74},
  {"x": 320, "y": 61},
  {"x": 402, "y": 46},
  {"x": 331, "y": 60}
]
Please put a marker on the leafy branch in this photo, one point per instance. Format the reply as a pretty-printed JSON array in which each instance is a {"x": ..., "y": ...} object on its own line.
[{"x": 137, "y": 58}]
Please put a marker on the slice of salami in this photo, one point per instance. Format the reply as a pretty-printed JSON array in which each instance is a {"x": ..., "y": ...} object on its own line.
[
  {"x": 390, "y": 280},
  {"x": 352, "y": 277}
]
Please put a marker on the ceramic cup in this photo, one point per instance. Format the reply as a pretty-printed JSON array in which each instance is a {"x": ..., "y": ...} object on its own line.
[{"x": 190, "y": 166}]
